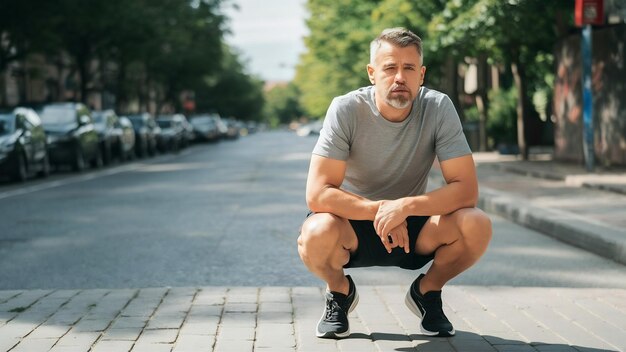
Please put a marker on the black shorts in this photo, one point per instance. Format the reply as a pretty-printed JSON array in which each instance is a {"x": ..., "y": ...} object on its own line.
[{"x": 371, "y": 251}]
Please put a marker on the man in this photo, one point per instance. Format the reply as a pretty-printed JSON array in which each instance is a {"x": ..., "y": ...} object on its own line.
[{"x": 366, "y": 189}]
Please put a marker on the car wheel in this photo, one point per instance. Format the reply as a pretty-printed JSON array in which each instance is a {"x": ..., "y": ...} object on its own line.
[
  {"x": 20, "y": 172},
  {"x": 97, "y": 162},
  {"x": 45, "y": 168},
  {"x": 79, "y": 160}
]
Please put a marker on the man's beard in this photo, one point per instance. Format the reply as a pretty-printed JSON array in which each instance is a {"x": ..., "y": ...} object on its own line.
[{"x": 398, "y": 101}]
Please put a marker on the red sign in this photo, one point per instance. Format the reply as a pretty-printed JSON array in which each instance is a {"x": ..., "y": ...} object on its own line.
[
  {"x": 189, "y": 105},
  {"x": 589, "y": 12}
]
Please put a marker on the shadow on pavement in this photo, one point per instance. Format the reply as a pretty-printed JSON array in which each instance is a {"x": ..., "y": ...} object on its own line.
[{"x": 465, "y": 340}]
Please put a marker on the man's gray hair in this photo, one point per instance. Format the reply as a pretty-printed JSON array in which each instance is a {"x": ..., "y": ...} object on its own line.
[{"x": 397, "y": 36}]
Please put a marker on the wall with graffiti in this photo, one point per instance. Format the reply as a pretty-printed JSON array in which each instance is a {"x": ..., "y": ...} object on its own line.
[{"x": 609, "y": 97}]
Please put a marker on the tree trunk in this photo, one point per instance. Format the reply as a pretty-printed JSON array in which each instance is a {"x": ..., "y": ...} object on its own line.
[
  {"x": 519, "y": 76},
  {"x": 84, "y": 76},
  {"x": 482, "y": 101}
]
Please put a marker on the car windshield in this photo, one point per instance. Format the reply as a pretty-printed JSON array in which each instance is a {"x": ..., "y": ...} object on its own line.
[
  {"x": 137, "y": 120},
  {"x": 164, "y": 123},
  {"x": 201, "y": 120},
  {"x": 98, "y": 117},
  {"x": 6, "y": 123},
  {"x": 57, "y": 116}
]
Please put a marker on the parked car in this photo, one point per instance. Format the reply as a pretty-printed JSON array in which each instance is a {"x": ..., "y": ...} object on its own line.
[
  {"x": 109, "y": 133},
  {"x": 147, "y": 134},
  {"x": 190, "y": 135},
  {"x": 173, "y": 132},
  {"x": 310, "y": 129},
  {"x": 205, "y": 128},
  {"x": 23, "y": 149},
  {"x": 126, "y": 145},
  {"x": 232, "y": 131},
  {"x": 72, "y": 137}
]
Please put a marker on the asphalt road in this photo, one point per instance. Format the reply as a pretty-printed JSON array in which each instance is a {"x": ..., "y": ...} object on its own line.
[{"x": 224, "y": 214}]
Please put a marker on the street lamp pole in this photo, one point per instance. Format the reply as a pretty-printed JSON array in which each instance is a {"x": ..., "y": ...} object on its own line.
[{"x": 588, "y": 145}]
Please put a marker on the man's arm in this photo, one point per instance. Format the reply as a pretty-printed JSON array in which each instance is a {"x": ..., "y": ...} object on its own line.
[
  {"x": 323, "y": 194},
  {"x": 460, "y": 191}
]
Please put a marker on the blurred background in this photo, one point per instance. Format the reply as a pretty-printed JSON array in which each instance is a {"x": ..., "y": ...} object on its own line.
[{"x": 512, "y": 68}]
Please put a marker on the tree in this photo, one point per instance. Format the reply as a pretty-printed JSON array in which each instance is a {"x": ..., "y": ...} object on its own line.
[
  {"x": 502, "y": 31},
  {"x": 337, "y": 52},
  {"x": 24, "y": 29},
  {"x": 230, "y": 91},
  {"x": 281, "y": 104}
]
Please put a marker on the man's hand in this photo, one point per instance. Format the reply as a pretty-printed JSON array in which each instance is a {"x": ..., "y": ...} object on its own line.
[
  {"x": 397, "y": 237},
  {"x": 390, "y": 215}
]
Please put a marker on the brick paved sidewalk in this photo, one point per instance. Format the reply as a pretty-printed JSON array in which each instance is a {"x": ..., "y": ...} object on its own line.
[{"x": 283, "y": 319}]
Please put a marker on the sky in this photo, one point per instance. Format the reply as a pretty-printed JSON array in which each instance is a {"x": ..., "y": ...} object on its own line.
[{"x": 268, "y": 34}]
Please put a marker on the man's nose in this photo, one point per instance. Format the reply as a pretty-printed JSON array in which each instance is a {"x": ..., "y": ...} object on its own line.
[{"x": 400, "y": 77}]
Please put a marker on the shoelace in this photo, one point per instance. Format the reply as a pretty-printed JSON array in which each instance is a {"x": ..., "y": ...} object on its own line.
[{"x": 332, "y": 308}]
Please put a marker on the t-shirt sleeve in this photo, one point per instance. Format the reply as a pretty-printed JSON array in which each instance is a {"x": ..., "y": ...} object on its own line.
[
  {"x": 450, "y": 141},
  {"x": 334, "y": 141}
]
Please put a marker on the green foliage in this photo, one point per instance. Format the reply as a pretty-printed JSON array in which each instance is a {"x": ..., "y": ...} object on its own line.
[
  {"x": 281, "y": 105},
  {"x": 501, "y": 117},
  {"x": 517, "y": 34},
  {"x": 141, "y": 47},
  {"x": 337, "y": 52},
  {"x": 230, "y": 91}
]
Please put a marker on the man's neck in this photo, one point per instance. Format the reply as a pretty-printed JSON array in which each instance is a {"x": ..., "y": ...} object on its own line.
[{"x": 392, "y": 114}]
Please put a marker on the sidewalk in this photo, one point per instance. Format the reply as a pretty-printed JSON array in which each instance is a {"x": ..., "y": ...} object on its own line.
[
  {"x": 561, "y": 200},
  {"x": 540, "y": 195},
  {"x": 281, "y": 319}
]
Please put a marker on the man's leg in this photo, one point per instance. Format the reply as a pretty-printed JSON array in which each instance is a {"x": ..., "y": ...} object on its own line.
[
  {"x": 325, "y": 244},
  {"x": 458, "y": 240}
]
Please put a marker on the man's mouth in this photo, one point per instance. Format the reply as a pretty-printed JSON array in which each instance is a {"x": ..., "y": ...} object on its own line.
[{"x": 399, "y": 89}]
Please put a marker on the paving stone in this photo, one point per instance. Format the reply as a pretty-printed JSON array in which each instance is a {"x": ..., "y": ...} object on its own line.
[
  {"x": 58, "y": 348},
  {"x": 75, "y": 338},
  {"x": 122, "y": 334},
  {"x": 129, "y": 322},
  {"x": 200, "y": 327},
  {"x": 234, "y": 346},
  {"x": 110, "y": 346},
  {"x": 7, "y": 343},
  {"x": 194, "y": 343},
  {"x": 275, "y": 335},
  {"x": 34, "y": 345},
  {"x": 231, "y": 332},
  {"x": 152, "y": 347},
  {"x": 158, "y": 336},
  {"x": 49, "y": 331},
  {"x": 90, "y": 324}
]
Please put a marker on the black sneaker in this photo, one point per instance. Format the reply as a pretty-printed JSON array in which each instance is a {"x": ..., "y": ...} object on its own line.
[
  {"x": 429, "y": 308},
  {"x": 334, "y": 322}
]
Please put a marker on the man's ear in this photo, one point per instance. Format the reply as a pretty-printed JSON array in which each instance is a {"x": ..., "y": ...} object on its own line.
[{"x": 370, "y": 73}]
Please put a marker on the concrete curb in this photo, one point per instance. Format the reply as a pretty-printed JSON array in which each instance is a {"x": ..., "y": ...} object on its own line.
[
  {"x": 608, "y": 183},
  {"x": 606, "y": 241},
  {"x": 598, "y": 238}
]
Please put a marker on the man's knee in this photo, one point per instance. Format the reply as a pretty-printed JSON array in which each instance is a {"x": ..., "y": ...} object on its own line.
[
  {"x": 319, "y": 234},
  {"x": 474, "y": 226}
]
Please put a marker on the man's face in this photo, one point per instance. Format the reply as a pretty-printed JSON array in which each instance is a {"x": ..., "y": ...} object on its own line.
[{"x": 397, "y": 74}]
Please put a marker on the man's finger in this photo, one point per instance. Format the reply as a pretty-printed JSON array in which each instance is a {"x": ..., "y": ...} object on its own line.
[
  {"x": 407, "y": 244},
  {"x": 385, "y": 242}
]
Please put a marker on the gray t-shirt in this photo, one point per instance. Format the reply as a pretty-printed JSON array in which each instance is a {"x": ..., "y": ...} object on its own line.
[{"x": 390, "y": 160}]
